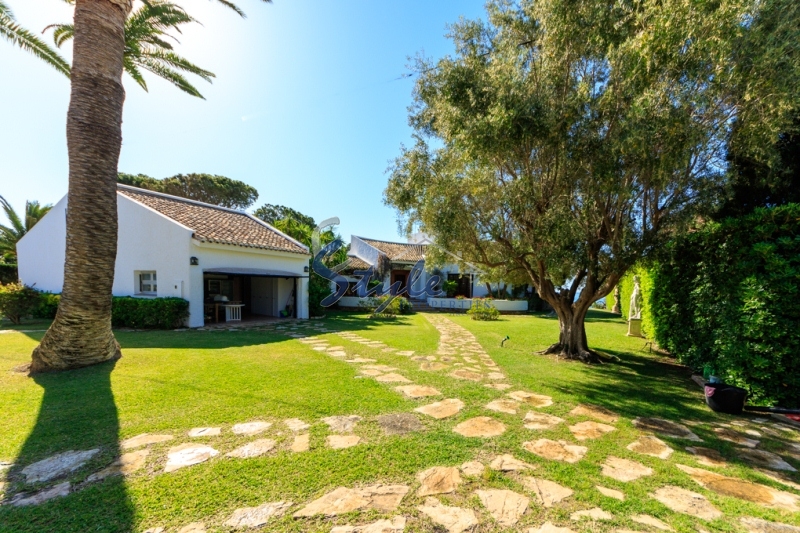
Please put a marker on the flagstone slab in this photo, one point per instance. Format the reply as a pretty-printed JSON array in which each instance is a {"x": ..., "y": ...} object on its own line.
[
  {"x": 595, "y": 411},
  {"x": 765, "y": 459},
  {"x": 126, "y": 464},
  {"x": 50, "y": 493},
  {"x": 473, "y": 469},
  {"x": 295, "y": 424},
  {"x": 541, "y": 421},
  {"x": 301, "y": 443},
  {"x": 251, "y": 428},
  {"x": 252, "y": 517},
  {"x": 556, "y": 450},
  {"x": 57, "y": 465},
  {"x": 743, "y": 490},
  {"x": 779, "y": 478},
  {"x": 204, "y": 432},
  {"x": 594, "y": 513},
  {"x": 360, "y": 360},
  {"x": 253, "y": 449},
  {"x": 432, "y": 366},
  {"x": 611, "y": 493},
  {"x": 498, "y": 386},
  {"x": 383, "y": 368},
  {"x": 647, "y": 520},
  {"x": 509, "y": 463},
  {"x": 624, "y": 469},
  {"x": 590, "y": 430},
  {"x": 547, "y": 493},
  {"x": 686, "y": 502},
  {"x": 194, "y": 527},
  {"x": 480, "y": 426},
  {"x": 503, "y": 406},
  {"x": 417, "y": 391},
  {"x": 320, "y": 348},
  {"x": 342, "y": 424},
  {"x": 707, "y": 456},
  {"x": 505, "y": 506},
  {"x": 453, "y": 519},
  {"x": 340, "y": 442},
  {"x": 735, "y": 437},
  {"x": 496, "y": 376},
  {"x": 370, "y": 372},
  {"x": 442, "y": 409},
  {"x": 145, "y": 439},
  {"x": 438, "y": 480},
  {"x": 405, "y": 353},
  {"x": 392, "y": 378},
  {"x": 757, "y": 525},
  {"x": 187, "y": 455},
  {"x": 665, "y": 428},
  {"x": 652, "y": 446},
  {"x": 534, "y": 400},
  {"x": 400, "y": 424},
  {"x": 395, "y": 525},
  {"x": 549, "y": 527},
  {"x": 466, "y": 374},
  {"x": 344, "y": 500}
]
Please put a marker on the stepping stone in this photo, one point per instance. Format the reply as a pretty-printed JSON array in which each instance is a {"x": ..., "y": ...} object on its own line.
[
  {"x": 549, "y": 527},
  {"x": 735, "y": 437},
  {"x": 779, "y": 478},
  {"x": 438, "y": 480},
  {"x": 652, "y": 521},
  {"x": 360, "y": 360},
  {"x": 370, "y": 372},
  {"x": 466, "y": 374},
  {"x": 295, "y": 424},
  {"x": 743, "y": 490},
  {"x": 342, "y": 424},
  {"x": 454, "y": 519},
  {"x": 509, "y": 463},
  {"x": 335, "y": 348},
  {"x": 541, "y": 421},
  {"x": 342, "y": 353},
  {"x": 320, "y": 348},
  {"x": 624, "y": 470},
  {"x": 556, "y": 451},
  {"x": 534, "y": 400},
  {"x": 406, "y": 353},
  {"x": 57, "y": 491},
  {"x": 480, "y": 426},
  {"x": 417, "y": 391},
  {"x": 204, "y": 432},
  {"x": 251, "y": 428},
  {"x": 344, "y": 500},
  {"x": 382, "y": 368},
  {"x": 57, "y": 465},
  {"x": 666, "y": 428},
  {"x": 505, "y": 506},
  {"x": 395, "y": 525},
  {"x": 340, "y": 442},
  {"x": 594, "y": 513},
  {"x": 652, "y": 446},
  {"x": 686, "y": 502},
  {"x": 498, "y": 386},
  {"x": 253, "y": 449},
  {"x": 495, "y": 376},
  {"x": 473, "y": 469},
  {"x": 126, "y": 464},
  {"x": 765, "y": 459},
  {"x": 145, "y": 439},
  {"x": 547, "y": 493},
  {"x": 432, "y": 367},
  {"x": 392, "y": 378},
  {"x": 442, "y": 409},
  {"x": 503, "y": 406},
  {"x": 251, "y": 517},
  {"x": 611, "y": 493},
  {"x": 194, "y": 527},
  {"x": 301, "y": 443},
  {"x": 590, "y": 430},
  {"x": 595, "y": 411},
  {"x": 400, "y": 424},
  {"x": 187, "y": 455},
  {"x": 756, "y": 525},
  {"x": 707, "y": 456}
]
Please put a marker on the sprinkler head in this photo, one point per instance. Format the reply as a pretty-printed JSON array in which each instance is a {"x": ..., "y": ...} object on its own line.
[{"x": 504, "y": 340}]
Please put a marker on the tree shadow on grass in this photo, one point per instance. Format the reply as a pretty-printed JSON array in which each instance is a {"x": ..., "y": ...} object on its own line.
[{"x": 77, "y": 413}]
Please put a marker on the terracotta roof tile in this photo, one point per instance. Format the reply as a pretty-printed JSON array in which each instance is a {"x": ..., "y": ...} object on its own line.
[
  {"x": 398, "y": 251},
  {"x": 352, "y": 263}
]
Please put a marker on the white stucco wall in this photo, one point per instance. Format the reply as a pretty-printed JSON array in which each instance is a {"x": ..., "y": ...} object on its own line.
[{"x": 40, "y": 253}]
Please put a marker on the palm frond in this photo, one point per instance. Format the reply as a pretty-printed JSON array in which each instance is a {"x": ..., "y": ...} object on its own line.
[
  {"x": 133, "y": 71},
  {"x": 16, "y": 34},
  {"x": 61, "y": 33},
  {"x": 172, "y": 60},
  {"x": 17, "y": 224},
  {"x": 170, "y": 75}
]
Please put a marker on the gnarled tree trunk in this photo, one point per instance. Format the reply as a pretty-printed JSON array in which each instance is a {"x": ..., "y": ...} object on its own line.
[{"x": 81, "y": 332}]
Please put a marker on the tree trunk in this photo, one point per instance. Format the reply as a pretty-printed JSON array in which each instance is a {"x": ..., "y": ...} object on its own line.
[
  {"x": 572, "y": 343},
  {"x": 81, "y": 332}
]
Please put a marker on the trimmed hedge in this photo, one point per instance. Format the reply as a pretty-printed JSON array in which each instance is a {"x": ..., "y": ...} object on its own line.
[
  {"x": 728, "y": 295},
  {"x": 646, "y": 284}
]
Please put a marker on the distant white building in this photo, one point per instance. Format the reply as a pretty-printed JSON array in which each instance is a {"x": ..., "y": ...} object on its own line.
[{"x": 171, "y": 246}]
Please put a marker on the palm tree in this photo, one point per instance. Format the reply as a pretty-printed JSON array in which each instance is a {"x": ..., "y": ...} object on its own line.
[
  {"x": 10, "y": 235},
  {"x": 148, "y": 46},
  {"x": 16, "y": 34},
  {"x": 81, "y": 332}
]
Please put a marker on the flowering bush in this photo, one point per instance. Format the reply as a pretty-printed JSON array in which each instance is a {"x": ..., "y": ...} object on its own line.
[{"x": 483, "y": 309}]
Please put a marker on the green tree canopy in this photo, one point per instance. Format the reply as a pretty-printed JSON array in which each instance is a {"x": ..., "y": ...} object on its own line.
[
  {"x": 272, "y": 213},
  {"x": 567, "y": 140},
  {"x": 207, "y": 188},
  {"x": 18, "y": 225}
]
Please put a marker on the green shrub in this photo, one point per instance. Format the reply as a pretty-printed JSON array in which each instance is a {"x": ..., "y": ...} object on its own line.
[
  {"x": 449, "y": 287},
  {"x": 18, "y": 301},
  {"x": 48, "y": 305},
  {"x": 8, "y": 273},
  {"x": 398, "y": 305},
  {"x": 646, "y": 275},
  {"x": 483, "y": 309},
  {"x": 318, "y": 289},
  {"x": 146, "y": 313},
  {"x": 728, "y": 296}
]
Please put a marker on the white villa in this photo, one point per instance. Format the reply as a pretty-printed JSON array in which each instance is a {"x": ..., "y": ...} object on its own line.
[{"x": 220, "y": 260}]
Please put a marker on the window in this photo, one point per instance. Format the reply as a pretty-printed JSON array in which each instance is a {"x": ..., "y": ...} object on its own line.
[{"x": 148, "y": 283}]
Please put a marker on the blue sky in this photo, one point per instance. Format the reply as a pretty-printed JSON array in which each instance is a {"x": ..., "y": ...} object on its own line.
[{"x": 306, "y": 106}]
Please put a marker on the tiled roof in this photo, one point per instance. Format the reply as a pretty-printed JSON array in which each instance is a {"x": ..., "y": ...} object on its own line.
[
  {"x": 215, "y": 224},
  {"x": 398, "y": 251},
  {"x": 352, "y": 263}
]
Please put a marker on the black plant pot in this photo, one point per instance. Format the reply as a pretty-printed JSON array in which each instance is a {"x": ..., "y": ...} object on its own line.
[{"x": 724, "y": 398}]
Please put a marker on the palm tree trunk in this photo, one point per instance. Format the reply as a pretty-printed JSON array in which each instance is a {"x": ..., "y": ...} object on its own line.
[{"x": 81, "y": 332}]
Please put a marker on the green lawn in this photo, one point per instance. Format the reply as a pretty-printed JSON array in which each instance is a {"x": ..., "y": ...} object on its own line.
[{"x": 170, "y": 382}]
